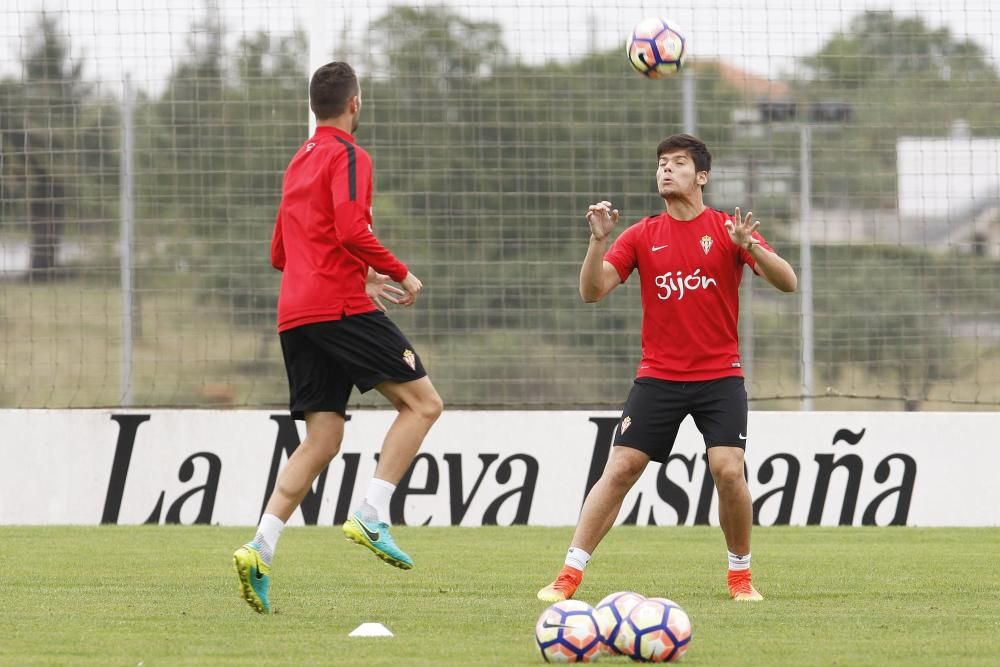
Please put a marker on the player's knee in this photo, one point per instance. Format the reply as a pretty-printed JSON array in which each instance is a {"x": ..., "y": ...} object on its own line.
[
  {"x": 624, "y": 474},
  {"x": 431, "y": 407},
  {"x": 327, "y": 445},
  {"x": 427, "y": 406},
  {"x": 728, "y": 477}
]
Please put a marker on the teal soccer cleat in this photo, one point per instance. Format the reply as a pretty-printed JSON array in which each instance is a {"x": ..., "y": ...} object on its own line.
[
  {"x": 255, "y": 577},
  {"x": 375, "y": 535}
]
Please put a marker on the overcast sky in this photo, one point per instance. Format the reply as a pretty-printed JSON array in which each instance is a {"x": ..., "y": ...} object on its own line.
[{"x": 143, "y": 37}]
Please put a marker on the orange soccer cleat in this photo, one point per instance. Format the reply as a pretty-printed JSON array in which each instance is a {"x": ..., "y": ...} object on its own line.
[
  {"x": 563, "y": 587},
  {"x": 741, "y": 587}
]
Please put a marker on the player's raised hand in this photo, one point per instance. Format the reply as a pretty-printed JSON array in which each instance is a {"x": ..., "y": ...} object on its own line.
[
  {"x": 741, "y": 229},
  {"x": 412, "y": 285},
  {"x": 602, "y": 219},
  {"x": 377, "y": 287}
]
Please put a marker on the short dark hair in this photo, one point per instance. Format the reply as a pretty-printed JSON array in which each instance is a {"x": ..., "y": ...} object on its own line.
[
  {"x": 694, "y": 146},
  {"x": 331, "y": 86}
]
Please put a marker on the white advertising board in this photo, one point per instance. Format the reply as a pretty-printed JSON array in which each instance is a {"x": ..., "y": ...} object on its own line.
[{"x": 494, "y": 467}]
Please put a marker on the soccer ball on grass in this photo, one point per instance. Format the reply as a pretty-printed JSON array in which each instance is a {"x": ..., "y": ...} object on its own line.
[
  {"x": 567, "y": 632},
  {"x": 656, "y": 630},
  {"x": 610, "y": 613}
]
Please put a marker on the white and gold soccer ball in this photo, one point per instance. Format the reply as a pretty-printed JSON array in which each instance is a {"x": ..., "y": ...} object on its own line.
[
  {"x": 610, "y": 613},
  {"x": 656, "y": 48},
  {"x": 567, "y": 632},
  {"x": 656, "y": 630}
]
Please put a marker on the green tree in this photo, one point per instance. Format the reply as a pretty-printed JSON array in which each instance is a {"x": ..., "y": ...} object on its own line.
[
  {"x": 265, "y": 120},
  {"x": 219, "y": 138},
  {"x": 878, "y": 310},
  {"x": 58, "y": 143},
  {"x": 186, "y": 173},
  {"x": 879, "y": 47}
]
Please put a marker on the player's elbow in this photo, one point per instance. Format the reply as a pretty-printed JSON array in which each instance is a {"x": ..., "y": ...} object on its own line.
[
  {"x": 352, "y": 241},
  {"x": 791, "y": 280},
  {"x": 590, "y": 294},
  {"x": 787, "y": 283}
]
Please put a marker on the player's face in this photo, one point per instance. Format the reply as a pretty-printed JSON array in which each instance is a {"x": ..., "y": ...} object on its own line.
[{"x": 676, "y": 175}]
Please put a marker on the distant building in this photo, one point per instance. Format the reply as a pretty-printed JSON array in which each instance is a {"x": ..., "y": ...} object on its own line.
[
  {"x": 949, "y": 191},
  {"x": 951, "y": 179},
  {"x": 948, "y": 188},
  {"x": 754, "y": 87}
]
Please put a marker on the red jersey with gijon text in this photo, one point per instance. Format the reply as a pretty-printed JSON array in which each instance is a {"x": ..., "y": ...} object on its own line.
[
  {"x": 690, "y": 273},
  {"x": 323, "y": 241}
]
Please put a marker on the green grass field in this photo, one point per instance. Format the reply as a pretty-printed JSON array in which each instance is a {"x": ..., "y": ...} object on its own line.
[{"x": 150, "y": 595}]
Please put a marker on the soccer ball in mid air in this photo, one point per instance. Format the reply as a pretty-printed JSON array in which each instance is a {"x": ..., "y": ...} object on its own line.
[
  {"x": 567, "y": 632},
  {"x": 656, "y": 48},
  {"x": 656, "y": 630},
  {"x": 610, "y": 613}
]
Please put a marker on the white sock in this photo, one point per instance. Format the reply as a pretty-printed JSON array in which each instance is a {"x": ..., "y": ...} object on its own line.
[
  {"x": 738, "y": 562},
  {"x": 378, "y": 495},
  {"x": 267, "y": 536},
  {"x": 577, "y": 558}
]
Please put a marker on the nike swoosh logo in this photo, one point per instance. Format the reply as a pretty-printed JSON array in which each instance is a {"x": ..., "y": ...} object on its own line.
[
  {"x": 373, "y": 536},
  {"x": 659, "y": 247},
  {"x": 546, "y": 624},
  {"x": 742, "y": 437}
]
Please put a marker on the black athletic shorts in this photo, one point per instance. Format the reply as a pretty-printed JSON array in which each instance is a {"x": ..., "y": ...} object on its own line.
[
  {"x": 654, "y": 411},
  {"x": 325, "y": 360}
]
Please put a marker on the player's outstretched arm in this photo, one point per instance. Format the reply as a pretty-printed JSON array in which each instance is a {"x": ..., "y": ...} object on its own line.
[
  {"x": 597, "y": 276},
  {"x": 770, "y": 266}
]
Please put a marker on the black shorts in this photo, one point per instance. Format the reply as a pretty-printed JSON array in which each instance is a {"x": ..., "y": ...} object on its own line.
[
  {"x": 655, "y": 409},
  {"x": 325, "y": 360}
]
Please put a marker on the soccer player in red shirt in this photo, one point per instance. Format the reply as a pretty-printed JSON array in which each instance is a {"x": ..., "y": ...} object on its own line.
[
  {"x": 690, "y": 261},
  {"x": 334, "y": 332}
]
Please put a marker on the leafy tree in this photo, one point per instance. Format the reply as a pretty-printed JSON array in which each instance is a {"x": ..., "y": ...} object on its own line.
[
  {"x": 265, "y": 121},
  {"x": 877, "y": 310},
  {"x": 220, "y": 136},
  {"x": 187, "y": 169},
  {"x": 880, "y": 48},
  {"x": 58, "y": 146}
]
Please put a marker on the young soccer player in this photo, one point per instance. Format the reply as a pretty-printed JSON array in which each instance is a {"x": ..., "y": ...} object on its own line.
[
  {"x": 334, "y": 333},
  {"x": 690, "y": 262}
]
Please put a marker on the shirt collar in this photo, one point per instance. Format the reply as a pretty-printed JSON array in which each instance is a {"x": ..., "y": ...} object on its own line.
[{"x": 335, "y": 131}]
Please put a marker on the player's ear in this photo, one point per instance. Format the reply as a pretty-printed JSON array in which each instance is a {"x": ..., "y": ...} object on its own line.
[{"x": 701, "y": 178}]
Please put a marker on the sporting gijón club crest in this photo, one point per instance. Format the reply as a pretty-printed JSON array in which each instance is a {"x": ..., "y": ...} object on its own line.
[{"x": 683, "y": 484}]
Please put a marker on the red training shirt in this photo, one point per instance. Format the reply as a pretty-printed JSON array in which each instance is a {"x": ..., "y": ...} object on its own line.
[
  {"x": 690, "y": 272},
  {"x": 323, "y": 242}
]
